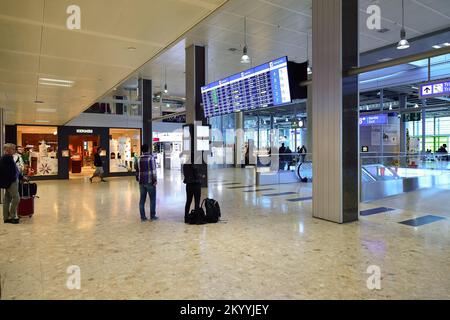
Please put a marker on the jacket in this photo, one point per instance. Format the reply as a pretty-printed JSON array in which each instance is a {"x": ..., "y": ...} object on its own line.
[
  {"x": 98, "y": 160},
  {"x": 191, "y": 174},
  {"x": 9, "y": 173}
]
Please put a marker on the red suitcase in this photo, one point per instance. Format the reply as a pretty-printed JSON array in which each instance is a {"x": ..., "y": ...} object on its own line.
[{"x": 26, "y": 207}]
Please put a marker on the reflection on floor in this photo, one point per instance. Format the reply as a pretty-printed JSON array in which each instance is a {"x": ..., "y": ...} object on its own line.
[{"x": 268, "y": 247}]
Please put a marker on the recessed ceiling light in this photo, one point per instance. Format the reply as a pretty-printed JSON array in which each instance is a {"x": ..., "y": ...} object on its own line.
[
  {"x": 55, "y": 84},
  {"x": 447, "y": 44},
  {"x": 383, "y": 30},
  {"x": 131, "y": 48},
  {"x": 232, "y": 49},
  {"x": 56, "y": 80},
  {"x": 46, "y": 110},
  {"x": 42, "y": 121},
  {"x": 385, "y": 59},
  {"x": 38, "y": 101},
  {"x": 436, "y": 46}
]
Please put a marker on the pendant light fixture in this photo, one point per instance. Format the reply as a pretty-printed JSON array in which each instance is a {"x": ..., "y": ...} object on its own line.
[
  {"x": 403, "y": 43},
  {"x": 165, "y": 80},
  {"x": 245, "y": 59}
]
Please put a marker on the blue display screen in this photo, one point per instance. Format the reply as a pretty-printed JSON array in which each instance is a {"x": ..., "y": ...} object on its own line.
[
  {"x": 259, "y": 87},
  {"x": 373, "y": 120}
]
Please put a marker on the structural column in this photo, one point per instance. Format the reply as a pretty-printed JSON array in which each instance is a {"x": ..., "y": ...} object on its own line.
[
  {"x": 335, "y": 111},
  {"x": 309, "y": 121},
  {"x": 195, "y": 79},
  {"x": 145, "y": 89},
  {"x": 239, "y": 153},
  {"x": 403, "y": 137}
]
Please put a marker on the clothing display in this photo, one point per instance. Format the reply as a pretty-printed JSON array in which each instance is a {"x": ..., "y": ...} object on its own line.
[{"x": 121, "y": 159}]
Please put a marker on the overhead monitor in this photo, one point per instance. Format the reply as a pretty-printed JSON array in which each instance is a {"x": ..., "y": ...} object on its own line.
[{"x": 259, "y": 87}]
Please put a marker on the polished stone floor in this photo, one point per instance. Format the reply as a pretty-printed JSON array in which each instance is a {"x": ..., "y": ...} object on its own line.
[{"x": 266, "y": 248}]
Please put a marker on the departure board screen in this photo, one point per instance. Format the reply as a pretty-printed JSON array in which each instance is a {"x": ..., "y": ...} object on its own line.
[{"x": 260, "y": 87}]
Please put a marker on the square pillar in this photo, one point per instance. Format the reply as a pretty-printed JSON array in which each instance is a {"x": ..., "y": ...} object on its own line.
[
  {"x": 335, "y": 111},
  {"x": 145, "y": 89}
]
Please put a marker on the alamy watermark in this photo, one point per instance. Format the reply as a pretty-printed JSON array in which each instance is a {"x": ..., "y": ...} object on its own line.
[
  {"x": 73, "y": 22},
  {"x": 374, "y": 280},
  {"x": 74, "y": 279}
]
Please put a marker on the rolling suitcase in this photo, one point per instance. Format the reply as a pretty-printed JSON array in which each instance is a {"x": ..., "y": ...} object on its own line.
[
  {"x": 26, "y": 204},
  {"x": 26, "y": 207}
]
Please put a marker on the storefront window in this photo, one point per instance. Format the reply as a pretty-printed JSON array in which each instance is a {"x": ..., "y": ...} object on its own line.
[
  {"x": 39, "y": 148},
  {"x": 124, "y": 146}
]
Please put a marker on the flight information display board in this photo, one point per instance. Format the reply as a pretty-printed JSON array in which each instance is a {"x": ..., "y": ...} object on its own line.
[{"x": 260, "y": 87}]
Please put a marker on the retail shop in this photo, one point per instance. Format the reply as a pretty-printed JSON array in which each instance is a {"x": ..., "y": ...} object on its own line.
[{"x": 68, "y": 152}]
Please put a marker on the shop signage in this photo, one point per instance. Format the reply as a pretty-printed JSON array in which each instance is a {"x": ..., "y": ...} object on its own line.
[
  {"x": 373, "y": 120},
  {"x": 435, "y": 89},
  {"x": 84, "y": 131}
]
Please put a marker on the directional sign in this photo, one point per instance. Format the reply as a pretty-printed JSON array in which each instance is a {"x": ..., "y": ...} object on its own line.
[
  {"x": 373, "y": 120},
  {"x": 435, "y": 89}
]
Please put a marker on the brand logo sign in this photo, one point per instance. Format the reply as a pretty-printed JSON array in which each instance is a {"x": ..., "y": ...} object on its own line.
[
  {"x": 435, "y": 89},
  {"x": 85, "y": 131}
]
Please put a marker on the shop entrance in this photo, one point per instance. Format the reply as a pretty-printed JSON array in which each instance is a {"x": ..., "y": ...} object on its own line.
[{"x": 81, "y": 159}]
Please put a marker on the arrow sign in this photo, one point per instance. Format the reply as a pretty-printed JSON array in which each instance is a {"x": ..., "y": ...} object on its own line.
[{"x": 435, "y": 89}]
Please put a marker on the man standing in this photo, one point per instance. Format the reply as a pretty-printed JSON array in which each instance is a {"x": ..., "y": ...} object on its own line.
[
  {"x": 98, "y": 163},
  {"x": 9, "y": 180},
  {"x": 145, "y": 167}
]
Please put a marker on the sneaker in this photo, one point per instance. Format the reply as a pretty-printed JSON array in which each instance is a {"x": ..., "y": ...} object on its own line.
[
  {"x": 154, "y": 218},
  {"x": 15, "y": 221},
  {"x": 7, "y": 221},
  {"x": 90, "y": 179},
  {"x": 143, "y": 220},
  {"x": 104, "y": 180}
]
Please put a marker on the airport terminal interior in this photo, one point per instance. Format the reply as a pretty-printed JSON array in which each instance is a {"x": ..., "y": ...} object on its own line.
[{"x": 320, "y": 127}]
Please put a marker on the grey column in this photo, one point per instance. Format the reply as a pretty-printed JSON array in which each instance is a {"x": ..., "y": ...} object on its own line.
[
  {"x": 195, "y": 79},
  {"x": 424, "y": 125},
  {"x": 403, "y": 137},
  {"x": 239, "y": 157},
  {"x": 145, "y": 91},
  {"x": 309, "y": 120},
  {"x": 335, "y": 111}
]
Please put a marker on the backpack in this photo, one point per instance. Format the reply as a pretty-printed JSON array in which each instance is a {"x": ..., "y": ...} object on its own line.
[
  {"x": 197, "y": 216},
  {"x": 212, "y": 209}
]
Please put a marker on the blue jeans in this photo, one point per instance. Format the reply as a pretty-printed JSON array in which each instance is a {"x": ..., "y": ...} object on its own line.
[{"x": 151, "y": 190}]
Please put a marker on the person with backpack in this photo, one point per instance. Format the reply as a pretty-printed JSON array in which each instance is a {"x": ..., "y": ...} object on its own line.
[
  {"x": 193, "y": 188},
  {"x": 98, "y": 163},
  {"x": 10, "y": 176},
  {"x": 146, "y": 175}
]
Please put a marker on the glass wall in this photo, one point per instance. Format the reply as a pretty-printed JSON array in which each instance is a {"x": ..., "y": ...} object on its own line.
[
  {"x": 38, "y": 146},
  {"x": 124, "y": 146}
]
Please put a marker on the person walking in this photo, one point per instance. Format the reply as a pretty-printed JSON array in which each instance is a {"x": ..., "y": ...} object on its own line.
[
  {"x": 98, "y": 163},
  {"x": 146, "y": 175},
  {"x": 10, "y": 176},
  {"x": 193, "y": 188}
]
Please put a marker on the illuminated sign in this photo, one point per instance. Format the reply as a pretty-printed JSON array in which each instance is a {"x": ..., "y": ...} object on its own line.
[
  {"x": 373, "y": 120},
  {"x": 84, "y": 131},
  {"x": 434, "y": 89}
]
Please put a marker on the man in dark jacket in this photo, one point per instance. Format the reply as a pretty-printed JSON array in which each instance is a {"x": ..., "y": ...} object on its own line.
[
  {"x": 192, "y": 179},
  {"x": 9, "y": 180},
  {"x": 98, "y": 163}
]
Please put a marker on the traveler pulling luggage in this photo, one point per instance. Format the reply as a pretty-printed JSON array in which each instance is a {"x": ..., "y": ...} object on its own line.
[{"x": 27, "y": 193}]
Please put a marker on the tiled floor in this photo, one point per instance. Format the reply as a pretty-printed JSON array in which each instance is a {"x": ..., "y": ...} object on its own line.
[{"x": 267, "y": 248}]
